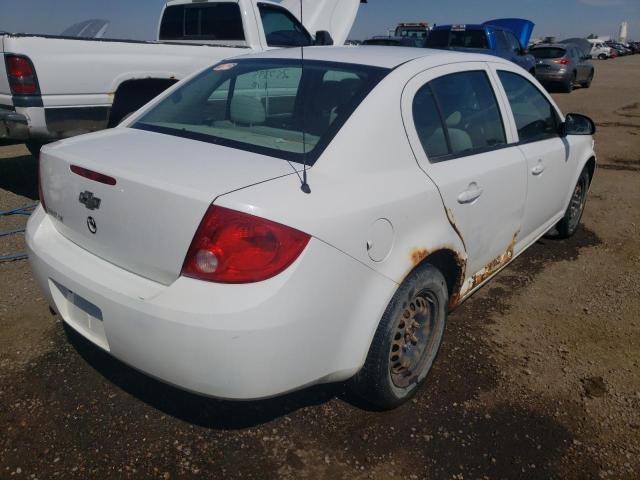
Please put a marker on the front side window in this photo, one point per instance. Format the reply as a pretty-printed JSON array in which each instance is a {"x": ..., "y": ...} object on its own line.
[
  {"x": 458, "y": 115},
  {"x": 535, "y": 117},
  {"x": 281, "y": 28},
  {"x": 213, "y": 21},
  {"x": 272, "y": 107}
]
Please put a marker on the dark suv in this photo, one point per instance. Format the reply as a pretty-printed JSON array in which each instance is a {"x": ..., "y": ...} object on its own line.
[{"x": 507, "y": 38}]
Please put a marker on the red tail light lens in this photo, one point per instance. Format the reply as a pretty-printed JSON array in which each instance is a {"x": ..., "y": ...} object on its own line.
[
  {"x": 22, "y": 75},
  {"x": 235, "y": 247},
  {"x": 562, "y": 61}
]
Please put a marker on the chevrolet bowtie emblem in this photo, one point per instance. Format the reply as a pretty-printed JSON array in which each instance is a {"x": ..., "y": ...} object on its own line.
[{"x": 89, "y": 201}]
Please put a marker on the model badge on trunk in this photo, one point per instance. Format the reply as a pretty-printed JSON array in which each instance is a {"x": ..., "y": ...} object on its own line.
[
  {"x": 91, "y": 224},
  {"x": 89, "y": 201}
]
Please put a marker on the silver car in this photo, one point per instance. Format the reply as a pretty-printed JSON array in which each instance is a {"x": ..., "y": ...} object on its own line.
[{"x": 563, "y": 65}]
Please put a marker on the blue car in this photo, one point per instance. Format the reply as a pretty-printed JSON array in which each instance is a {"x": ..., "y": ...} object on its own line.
[{"x": 507, "y": 38}]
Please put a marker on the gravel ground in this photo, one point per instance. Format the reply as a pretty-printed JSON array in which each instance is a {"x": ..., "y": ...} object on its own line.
[{"x": 538, "y": 377}]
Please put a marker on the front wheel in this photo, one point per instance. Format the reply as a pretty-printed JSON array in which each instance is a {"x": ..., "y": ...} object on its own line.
[
  {"x": 406, "y": 342},
  {"x": 571, "y": 220}
]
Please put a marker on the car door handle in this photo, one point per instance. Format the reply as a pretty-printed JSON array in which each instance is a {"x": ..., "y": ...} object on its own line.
[
  {"x": 472, "y": 193},
  {"x": 538, "y": 169}
]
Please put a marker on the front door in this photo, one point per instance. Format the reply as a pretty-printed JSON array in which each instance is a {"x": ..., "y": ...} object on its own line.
[
  {"x": 549, "y": 168},
  {"x": 454, "y": 123}
]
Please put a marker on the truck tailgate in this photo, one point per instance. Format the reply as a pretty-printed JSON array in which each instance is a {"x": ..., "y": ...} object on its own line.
[{"x": 5, "y": 91}]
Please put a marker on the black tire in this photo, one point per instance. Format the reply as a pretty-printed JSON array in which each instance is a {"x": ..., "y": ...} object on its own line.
[
  {"x": 567, "y": 87},
  {"x": 603, "y": 56},
  {"x": 34, "y": 148},
  {"x": 571, "y": 220},
  {"x": 587, "y": 84},
  {"x": 401, "y": 354}
]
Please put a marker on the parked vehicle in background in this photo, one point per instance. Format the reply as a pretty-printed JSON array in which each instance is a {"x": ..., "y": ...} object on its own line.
[
  {"x": 506, "y": 38},
  {"x": 393, "y": 41},
  {"x": 635, "y": 47},
  {"x": 599, "y": 50},
  {"x": 54, "y": 87},
  {"x": 620, "y": 48},
  {"x": 419, "y": 32},
  {"x": 400, "y": 221},
  {"x": 563, "y": 65}
]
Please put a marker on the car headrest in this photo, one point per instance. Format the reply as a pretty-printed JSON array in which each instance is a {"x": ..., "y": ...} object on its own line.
[
  {"x": 454, "y": 119},
  {"x": 247, "y": 110}
]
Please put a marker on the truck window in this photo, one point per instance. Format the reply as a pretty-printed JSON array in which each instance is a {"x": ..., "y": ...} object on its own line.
[
  {"x": 213, "y": 21},
  {"x": 281, "y": 28}
]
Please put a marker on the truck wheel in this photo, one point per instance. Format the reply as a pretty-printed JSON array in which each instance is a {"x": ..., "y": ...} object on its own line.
[
  {"x": 133, "y": 95},
  {"x": 34, "y": 148},
  {"x": 571, "y": 220},
  {"x": 406, "y": 342}
]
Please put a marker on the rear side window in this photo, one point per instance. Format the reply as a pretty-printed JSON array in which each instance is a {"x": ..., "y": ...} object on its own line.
[
  {"x": 458, "y": 115},
  {"x": 535, "y": 117},
  {"x": 281, "y": 28},
  {"x": 212, "y": 21}
]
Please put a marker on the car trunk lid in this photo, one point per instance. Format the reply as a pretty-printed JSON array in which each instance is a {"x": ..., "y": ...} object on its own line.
[{"x": 144, "y": 222}]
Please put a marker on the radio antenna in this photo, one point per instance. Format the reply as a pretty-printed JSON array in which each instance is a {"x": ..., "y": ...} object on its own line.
[{"x": 305, "y": 185}]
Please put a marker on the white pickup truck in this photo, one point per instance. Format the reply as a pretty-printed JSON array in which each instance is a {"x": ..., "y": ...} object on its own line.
[{"x": 54, "y": 87}]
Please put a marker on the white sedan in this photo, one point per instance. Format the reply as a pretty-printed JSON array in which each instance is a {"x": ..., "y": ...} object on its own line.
[{"x": 269, "y": 224}]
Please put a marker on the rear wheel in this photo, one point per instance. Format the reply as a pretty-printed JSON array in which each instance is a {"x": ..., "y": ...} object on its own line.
[
  {"x": 603, "y": 56},
  {"x": 587, "y": 83},
  {"x": 571, "y": 220},
  {"x": 567, "y": 87},
  {"x": 406, "y": 342}
]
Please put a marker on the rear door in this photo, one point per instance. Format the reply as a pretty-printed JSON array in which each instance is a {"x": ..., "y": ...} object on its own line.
[
  {"x": 549, "y": 165},
  {"x": 454, "y": 124}
]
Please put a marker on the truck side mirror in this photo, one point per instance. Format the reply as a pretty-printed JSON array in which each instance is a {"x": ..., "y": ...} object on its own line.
[{"x": 323, "y": 38}]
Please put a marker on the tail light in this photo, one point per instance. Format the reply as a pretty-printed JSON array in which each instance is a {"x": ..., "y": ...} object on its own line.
[
  {"x": 22, "y": 75},
  {"x": 40, "y": 191},
  {"x": 235, "y": 247},
  {"x": 562, "y": 61}
]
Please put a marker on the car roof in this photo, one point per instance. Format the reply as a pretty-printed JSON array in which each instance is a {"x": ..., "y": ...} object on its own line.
[
  {"x": 374, "y": 56},
  {"x": 554, "y": 45},
  {"x": 470, "y": 26}
]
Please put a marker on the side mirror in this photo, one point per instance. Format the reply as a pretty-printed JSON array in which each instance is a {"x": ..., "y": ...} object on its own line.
[
  {"x": 323, "y": 38},
  {"x": 576, "y": 124}
]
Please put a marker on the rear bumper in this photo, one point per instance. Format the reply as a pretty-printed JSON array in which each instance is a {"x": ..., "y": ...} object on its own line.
[
  {"x": 311, "y": 324},
  {"x": 14, "y": 126},
  {"x": 552, "y": 76},
  {"x": 48, "y": 124}
]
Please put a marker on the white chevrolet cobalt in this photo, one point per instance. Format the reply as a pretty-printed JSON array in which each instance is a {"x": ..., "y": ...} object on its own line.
[{"x": 269, "y": 223}]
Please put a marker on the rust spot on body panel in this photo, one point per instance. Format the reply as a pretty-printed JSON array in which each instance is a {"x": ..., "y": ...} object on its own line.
[
  {"x": 418, "y": 255},
  {"x": 494, "y": 265}
]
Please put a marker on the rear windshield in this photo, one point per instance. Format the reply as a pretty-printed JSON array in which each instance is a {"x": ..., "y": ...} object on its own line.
[
  {"x": 213, "y": 21},
  {"x": 266, "y": 106},
  {"x": 457, "y": 39},
  {"x": 548, "y": 52}
]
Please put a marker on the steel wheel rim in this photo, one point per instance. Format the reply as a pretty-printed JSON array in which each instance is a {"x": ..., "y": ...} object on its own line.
[
  {"x": 577, "y": 203},
  {"x": 414, "y": 340}
]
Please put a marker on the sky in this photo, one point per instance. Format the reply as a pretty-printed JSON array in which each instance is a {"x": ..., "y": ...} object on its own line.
[{"x": 138, "y": 19}]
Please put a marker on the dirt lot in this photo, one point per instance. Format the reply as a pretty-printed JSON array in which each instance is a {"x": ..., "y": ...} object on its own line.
[{"x": 539, "y": 376}]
